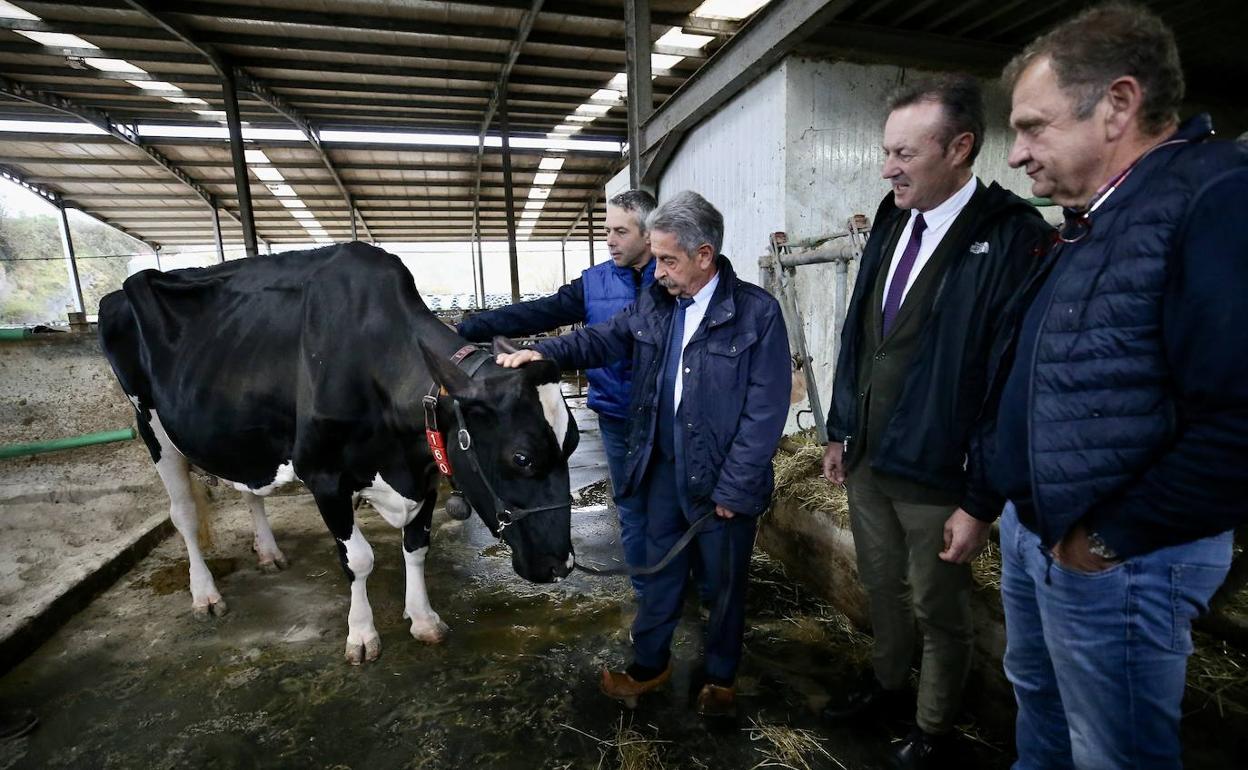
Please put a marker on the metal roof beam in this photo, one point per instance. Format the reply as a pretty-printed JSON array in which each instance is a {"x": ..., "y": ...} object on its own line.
[
  {"x": 378, "y": 23},
  {"x": 285, "y": 164},
  {"x": 500, "y": 93},
  {"x": 55, "y": 198},
  {"x": 286, "y": 144},
  {"x": 105, "y": 123},
  {"x": 592, "y": 202},
  {"x": 766, "y": 39},
  {"x": 252, "y": 84},
  {"x": 570, "y": 82}
]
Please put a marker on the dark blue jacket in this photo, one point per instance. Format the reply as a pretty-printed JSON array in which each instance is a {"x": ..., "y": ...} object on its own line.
[
  {"x": 736, "y": 387},
  {"x": 1136, "y": 402},
  {"x": 602, "y": 291}
]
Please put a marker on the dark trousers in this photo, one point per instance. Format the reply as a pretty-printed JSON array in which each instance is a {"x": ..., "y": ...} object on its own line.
[
  {"x": 630, "y": 508},
  {"x": 724, "y": 546}
]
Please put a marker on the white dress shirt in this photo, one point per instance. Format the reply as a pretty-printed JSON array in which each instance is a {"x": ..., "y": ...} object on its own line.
[
  {"x": 938, "y": 221},
  {"x": 693, "y": 319}
]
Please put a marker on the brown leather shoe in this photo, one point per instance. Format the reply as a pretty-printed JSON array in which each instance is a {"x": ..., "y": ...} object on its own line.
[
  {"x": 621, "y": 686},
  {"x": 717, "y": 701}
]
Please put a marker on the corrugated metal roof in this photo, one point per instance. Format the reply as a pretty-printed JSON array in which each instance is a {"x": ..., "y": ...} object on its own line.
[
  {"x": 347, "y": 64},
  {"x": 431, "y": 66}
]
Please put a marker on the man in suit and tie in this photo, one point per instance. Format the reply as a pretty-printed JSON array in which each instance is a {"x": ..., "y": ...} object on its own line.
[
  {"x": 945, "y": 254},
  {"x": 707, "y": 406}
]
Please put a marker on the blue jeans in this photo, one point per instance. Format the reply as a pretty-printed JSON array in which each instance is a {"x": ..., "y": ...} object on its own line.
[
  {"x": 1099, "y": 661},
  {"x": 631, "y": 508}
]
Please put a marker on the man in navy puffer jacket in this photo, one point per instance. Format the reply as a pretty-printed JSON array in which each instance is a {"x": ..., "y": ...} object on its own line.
[
  {"x": 1117, "y": 421},
  {"x": 602, "y": 291}
]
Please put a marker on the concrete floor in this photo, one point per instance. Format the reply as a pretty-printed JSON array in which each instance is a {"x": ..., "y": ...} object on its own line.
[{"x": 134, "y": 681}]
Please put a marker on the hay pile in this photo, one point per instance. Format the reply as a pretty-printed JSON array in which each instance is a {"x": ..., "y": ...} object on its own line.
[
  {"x": 628, "y": 750},
  {"x": 785, "y": 611},
  {"x": 784, "y": 746},
  {"x": 798, "y": 467}
]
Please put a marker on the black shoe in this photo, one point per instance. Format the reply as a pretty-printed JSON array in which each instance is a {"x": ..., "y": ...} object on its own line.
[
  {"x": 870, "y": 699},
  {"x": 922, "y": 751}
]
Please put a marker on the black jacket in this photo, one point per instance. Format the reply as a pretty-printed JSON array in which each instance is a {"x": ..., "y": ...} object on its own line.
[{"x": 925, "y": 440}]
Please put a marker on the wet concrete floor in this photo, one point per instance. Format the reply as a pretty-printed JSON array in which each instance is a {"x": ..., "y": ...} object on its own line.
[{"x": 134, "y": 681}]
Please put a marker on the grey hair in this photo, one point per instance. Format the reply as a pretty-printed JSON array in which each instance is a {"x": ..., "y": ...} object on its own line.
[
  {"x": 1104, "y": 43},
  {"x": 692, "y": 219},
  {"x": 639, "y": 203}
]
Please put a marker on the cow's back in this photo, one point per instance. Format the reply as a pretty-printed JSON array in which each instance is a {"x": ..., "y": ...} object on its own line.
[{"x": 217, "y": 352}]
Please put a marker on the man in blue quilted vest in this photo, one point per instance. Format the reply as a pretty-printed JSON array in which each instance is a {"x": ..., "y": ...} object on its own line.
[
  {"x": 1117, "y": 423},
  {"x": 599, "y": 293}
]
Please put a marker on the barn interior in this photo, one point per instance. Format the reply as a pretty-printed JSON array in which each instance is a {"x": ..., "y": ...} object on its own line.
[{"x": 246, "y": 129}]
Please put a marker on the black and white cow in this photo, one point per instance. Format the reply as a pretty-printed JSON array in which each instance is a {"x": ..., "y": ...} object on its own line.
[{"x": 314, "y": 366}]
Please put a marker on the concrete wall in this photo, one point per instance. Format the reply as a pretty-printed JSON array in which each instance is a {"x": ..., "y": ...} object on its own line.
[
  {"x": 799, "y": 151},
  {"x": 736, "y": 160}
]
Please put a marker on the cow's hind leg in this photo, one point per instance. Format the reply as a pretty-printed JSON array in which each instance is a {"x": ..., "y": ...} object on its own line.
[
  {"x": 426, "y": 625},
  {"x": 363, "y": 641},
  {"x": 175, "y": 473},
  {"x": 268, "y": 556}
]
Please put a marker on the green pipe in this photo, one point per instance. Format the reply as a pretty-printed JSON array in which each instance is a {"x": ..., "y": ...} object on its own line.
[
  {"x": 73, "y": 442},
  {"x": 21, "y": 333},
  {"x": 1040, "y": 202}
]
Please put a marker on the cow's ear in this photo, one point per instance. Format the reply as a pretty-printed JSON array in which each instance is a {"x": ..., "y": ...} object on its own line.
[
  {"x": 504, "y": 345},
  {"x": 448, "y": 375},
  {"x": 572, "y": 437},
  {"x": 540, "y": 372}
]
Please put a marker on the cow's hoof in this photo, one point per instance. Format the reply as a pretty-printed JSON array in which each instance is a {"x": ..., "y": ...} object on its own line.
[
  {"x": 209, "y": 608},
  {"x": 273, "y": 564},
  {"x": 363, "y": 652},
  {"x": 429, "y": 629}
]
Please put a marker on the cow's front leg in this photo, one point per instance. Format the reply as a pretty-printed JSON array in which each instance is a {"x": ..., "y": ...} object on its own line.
[
  {"x": 426, "y": 625},
  {"x": 363, "y": 642},
  {"x": 269, "y": 557}
]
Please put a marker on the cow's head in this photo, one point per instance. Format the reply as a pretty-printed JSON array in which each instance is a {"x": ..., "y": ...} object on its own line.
[{"x": 521, "y": 433}]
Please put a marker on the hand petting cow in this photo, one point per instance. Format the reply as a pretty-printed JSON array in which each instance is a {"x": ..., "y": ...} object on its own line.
[{"x": 326, "y": 367}]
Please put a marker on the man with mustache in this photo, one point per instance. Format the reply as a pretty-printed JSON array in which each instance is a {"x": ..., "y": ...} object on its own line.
[
  {"x": 945, "y": 254},
  {"x": 709, "y": 399}
]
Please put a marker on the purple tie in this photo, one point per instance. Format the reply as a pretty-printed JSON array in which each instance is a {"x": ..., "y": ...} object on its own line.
[{"x": 896, "y": 289}]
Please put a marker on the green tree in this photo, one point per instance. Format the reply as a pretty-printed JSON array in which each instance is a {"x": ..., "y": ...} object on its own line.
[{"x": 34, "y": 283}]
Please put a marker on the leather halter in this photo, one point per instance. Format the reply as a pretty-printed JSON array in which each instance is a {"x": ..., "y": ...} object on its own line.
[{"x": 470, "y": 359}]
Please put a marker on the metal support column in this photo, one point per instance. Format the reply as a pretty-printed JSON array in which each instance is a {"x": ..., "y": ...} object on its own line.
[
  {"x": 563, "y": 259},
  {"x": 355, "y": 235},
  {"x": 510, "y": 199},
  {"x": 590, "y": 238},
  {"x": 472, "y": 263},
  {"x": 480, "y": 270},
  {"x": 71, "y": 263},
  {"x": 637, "y": 45},
  {"x": 216, "y": 233},
  {"x": 241, "y": 180}
]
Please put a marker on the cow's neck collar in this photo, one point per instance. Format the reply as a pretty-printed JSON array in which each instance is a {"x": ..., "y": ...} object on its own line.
[{"x": 470, "y": 358}]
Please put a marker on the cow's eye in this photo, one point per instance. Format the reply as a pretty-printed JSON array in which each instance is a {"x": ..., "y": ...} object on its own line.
[{"x": 521, "y": 460}]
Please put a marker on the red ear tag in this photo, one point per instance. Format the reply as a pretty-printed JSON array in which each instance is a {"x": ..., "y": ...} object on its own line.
[{"x": 438, "y": 447}]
